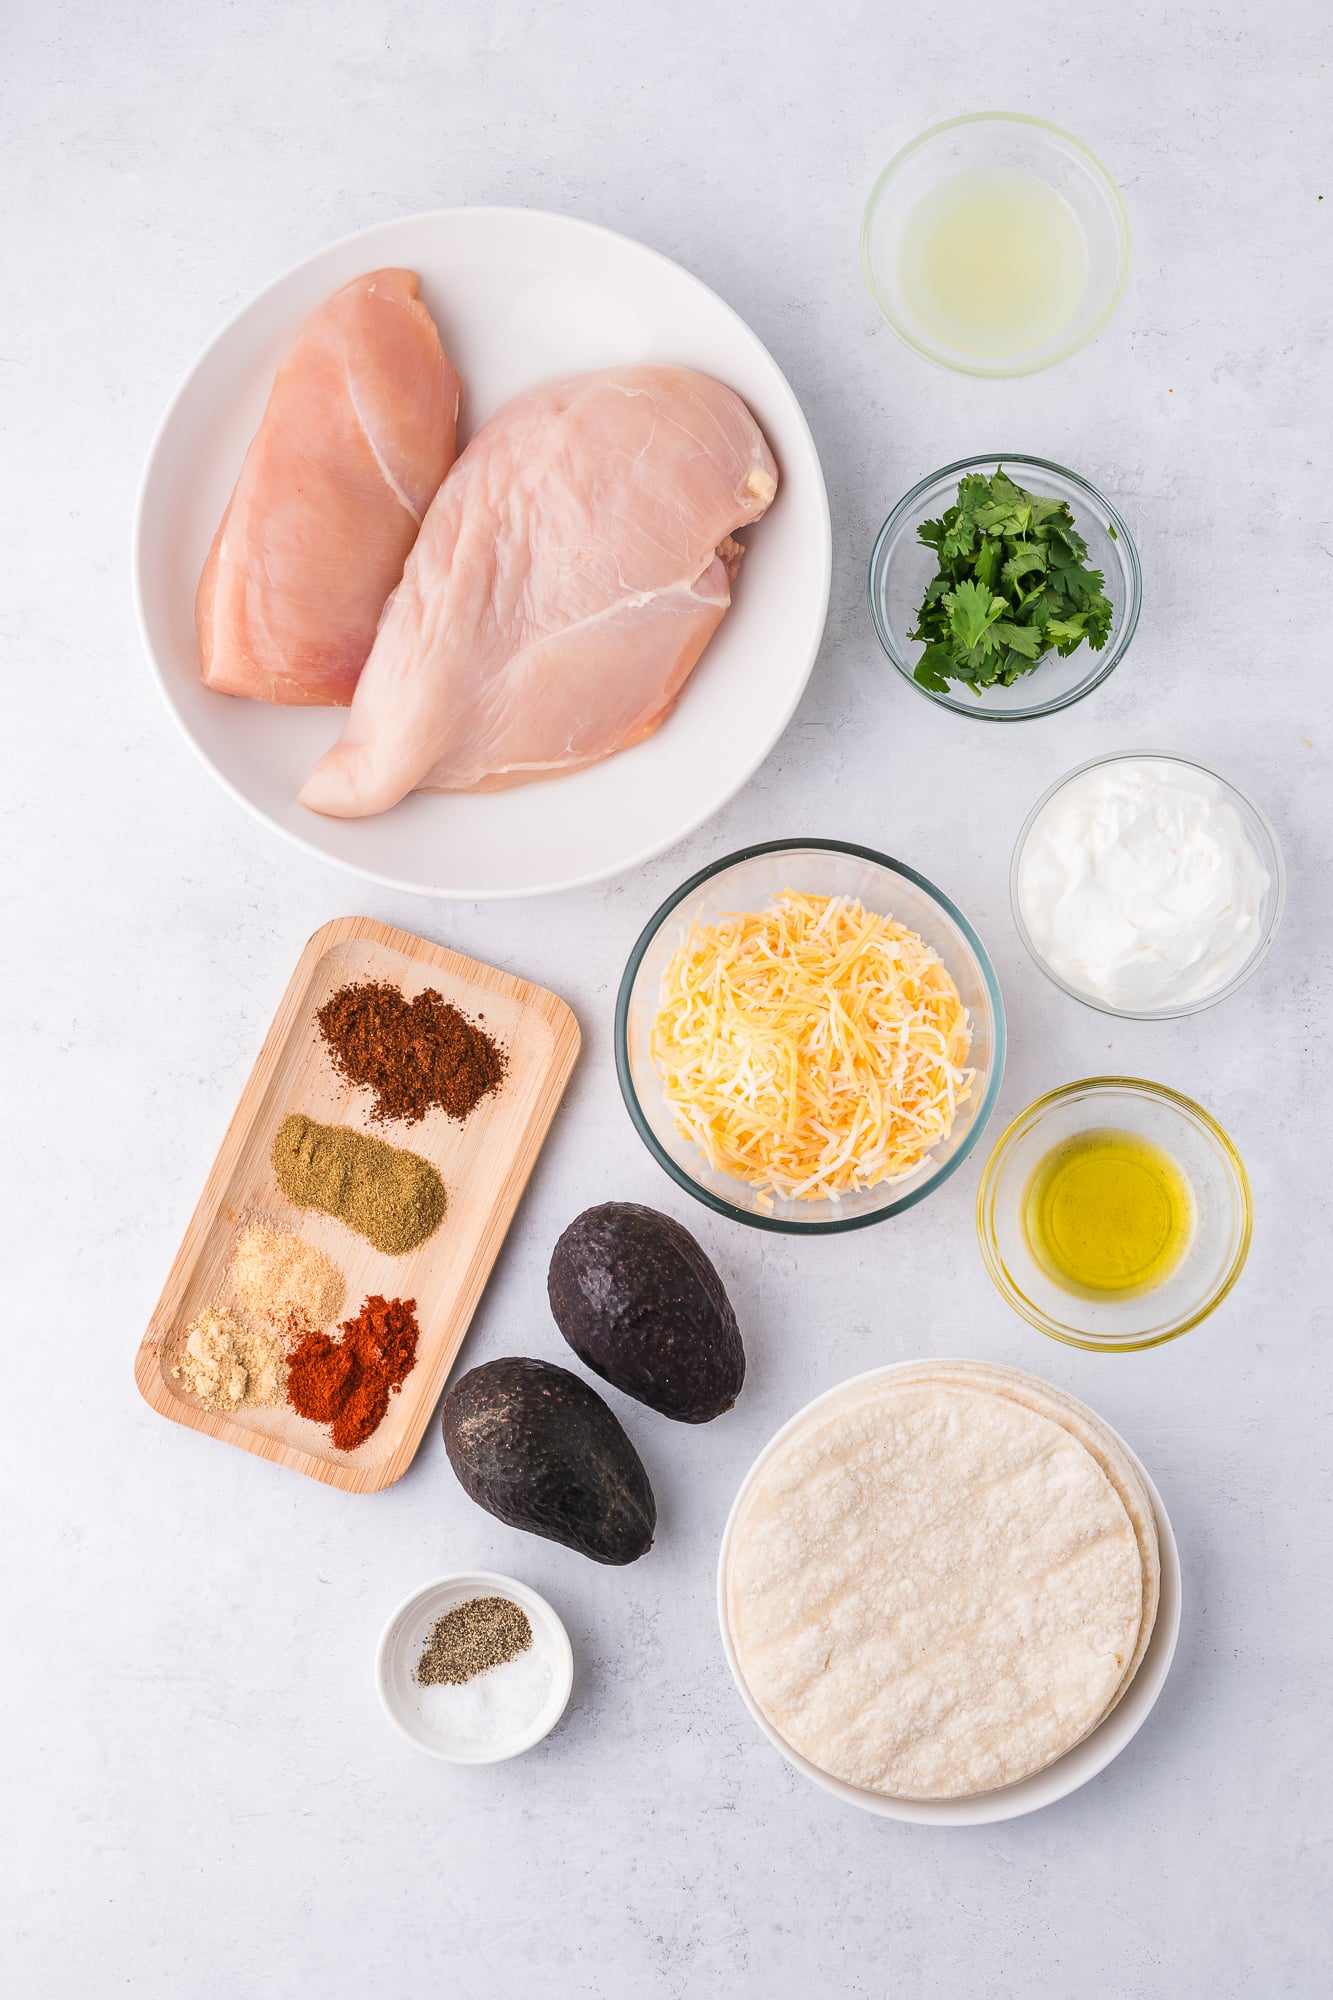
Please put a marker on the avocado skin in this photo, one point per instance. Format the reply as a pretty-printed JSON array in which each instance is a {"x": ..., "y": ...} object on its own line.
[
  {"x": 538, "y": 1448},
  {"x": 642, "y": 1306}
]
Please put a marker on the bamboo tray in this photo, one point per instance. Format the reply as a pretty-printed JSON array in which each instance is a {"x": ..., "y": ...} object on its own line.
[{"x": 485, "y": 1164}]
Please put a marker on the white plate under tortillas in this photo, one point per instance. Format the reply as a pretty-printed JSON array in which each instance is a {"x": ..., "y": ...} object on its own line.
[{"x": 842, "y": 1612}]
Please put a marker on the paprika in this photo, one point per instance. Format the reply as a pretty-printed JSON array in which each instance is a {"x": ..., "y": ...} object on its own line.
[{"x": 347, "y": 1383}]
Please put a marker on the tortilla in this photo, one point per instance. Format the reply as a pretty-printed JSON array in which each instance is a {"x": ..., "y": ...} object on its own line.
[
  {"x": 933, "y": 1589},
  {"x": 1108, "y": 1451}
]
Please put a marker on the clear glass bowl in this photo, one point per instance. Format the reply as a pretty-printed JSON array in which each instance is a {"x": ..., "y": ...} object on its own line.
[
  {"x": 1265, "y": 843},
  {"x": 991, "y": 141},
  {"x": 901, "y": 567},
  {"x": 1213, "y": 1258},
  {"x": 749, "y": 880}
]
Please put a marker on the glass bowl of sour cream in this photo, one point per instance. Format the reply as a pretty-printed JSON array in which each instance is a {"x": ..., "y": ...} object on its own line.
[{"x": 1147, "y": 885}]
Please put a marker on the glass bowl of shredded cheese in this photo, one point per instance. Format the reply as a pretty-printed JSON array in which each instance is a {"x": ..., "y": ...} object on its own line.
[{"x": 809, "y": 1036}]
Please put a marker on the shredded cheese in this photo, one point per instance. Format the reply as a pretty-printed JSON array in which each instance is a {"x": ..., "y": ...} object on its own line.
[{"x": 814, "y": 1048}]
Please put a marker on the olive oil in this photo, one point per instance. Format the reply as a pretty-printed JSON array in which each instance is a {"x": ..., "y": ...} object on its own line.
[
  {"x": 1108, "y": 1214},
  {"x": 993, "y": 263}
]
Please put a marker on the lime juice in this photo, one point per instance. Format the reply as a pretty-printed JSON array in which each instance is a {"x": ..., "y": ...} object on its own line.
[{"x": 992, "y": 262}]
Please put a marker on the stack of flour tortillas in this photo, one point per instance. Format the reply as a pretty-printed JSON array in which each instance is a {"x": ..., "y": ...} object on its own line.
[{"x": 942, "y": 1580}]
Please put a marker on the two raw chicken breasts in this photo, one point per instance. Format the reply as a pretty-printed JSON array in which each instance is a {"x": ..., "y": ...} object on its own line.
[{"x": 532, "y": 607}]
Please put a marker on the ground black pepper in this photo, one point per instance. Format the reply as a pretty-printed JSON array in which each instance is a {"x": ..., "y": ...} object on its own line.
[
  {"x": 482, "y": 1633},
  {"x": 413, "y": 1055}
]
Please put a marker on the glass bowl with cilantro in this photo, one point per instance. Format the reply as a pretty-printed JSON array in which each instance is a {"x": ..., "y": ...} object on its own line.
[{"x": 1005, "y": 587}]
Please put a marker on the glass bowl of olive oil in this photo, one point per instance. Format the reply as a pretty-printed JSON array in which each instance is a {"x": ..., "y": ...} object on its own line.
[
  {"x": 996, "y": 244},
  {"x": 1114, "y": 1214}
]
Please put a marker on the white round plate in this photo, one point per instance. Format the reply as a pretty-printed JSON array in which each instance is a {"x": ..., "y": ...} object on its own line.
[
  {"x": 405, "y": 1635},
  {"x": 1043, "y": 1788},
  {"x": 519, "y": 297}
]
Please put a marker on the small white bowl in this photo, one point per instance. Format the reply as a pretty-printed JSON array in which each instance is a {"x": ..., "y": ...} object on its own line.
[
  {"x": 1262, "y": 838},
  {"x": 1043, "y": 1788},
  {"x": 405, "y": 1636}
]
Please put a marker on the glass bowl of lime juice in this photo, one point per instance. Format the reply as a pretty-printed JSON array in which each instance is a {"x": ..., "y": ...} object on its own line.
[{"x": 996, "y": 244}]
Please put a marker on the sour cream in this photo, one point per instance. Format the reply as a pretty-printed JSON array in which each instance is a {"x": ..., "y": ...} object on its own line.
[{"x": 1140, "y": 885}]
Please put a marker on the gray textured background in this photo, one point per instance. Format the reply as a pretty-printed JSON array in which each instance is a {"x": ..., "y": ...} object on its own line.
[{"x": 202, "y": 1797}]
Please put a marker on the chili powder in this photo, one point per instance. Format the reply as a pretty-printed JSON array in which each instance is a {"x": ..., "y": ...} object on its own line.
[
  {"x": 348, "y": 1382},
  {"x": 412, "y": 1055}
]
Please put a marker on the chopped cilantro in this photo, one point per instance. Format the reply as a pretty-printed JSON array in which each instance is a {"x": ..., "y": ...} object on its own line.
[{"x": 1013, "y": 585}]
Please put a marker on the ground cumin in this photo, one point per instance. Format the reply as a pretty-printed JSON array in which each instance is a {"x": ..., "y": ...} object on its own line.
[
  {"x": 414, "y": 1056},
  {"x": 348, "y": 1382},
  {"x": 393, "y": 1198}
]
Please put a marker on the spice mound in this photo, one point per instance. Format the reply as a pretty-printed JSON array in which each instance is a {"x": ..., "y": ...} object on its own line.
[
  {"x": 484, "y": 1632},
  {"x": 280, "y": 1278},
  {"x": 347, "y": 1383},
  {"x": 414, "y": 1056},
  {"x": 393, "y": 1198},
  {"x": 228, "y": 1365}
]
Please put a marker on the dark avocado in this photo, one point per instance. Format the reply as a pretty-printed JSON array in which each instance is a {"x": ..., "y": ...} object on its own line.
[
  {"x": 642, "y": 1306},
  {"x": 539, "y": 1449}
]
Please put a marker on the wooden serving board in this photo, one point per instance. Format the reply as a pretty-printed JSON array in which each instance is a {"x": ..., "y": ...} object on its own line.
[{"x": 485, "y": 1163}]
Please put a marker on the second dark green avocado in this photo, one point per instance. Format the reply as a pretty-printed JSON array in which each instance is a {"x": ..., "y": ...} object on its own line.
[
  {"x": 642, "y": 1306},
  {"x": 536, "y": 1446}
]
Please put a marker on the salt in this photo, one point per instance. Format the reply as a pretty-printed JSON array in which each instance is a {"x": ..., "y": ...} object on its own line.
[{"x": 492, "y": 1709}]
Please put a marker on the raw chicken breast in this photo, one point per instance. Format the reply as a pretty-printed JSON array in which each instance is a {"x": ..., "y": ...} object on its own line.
[
  {"x": 358, "y": 433},
  {"x": 575, "y": 564}
]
